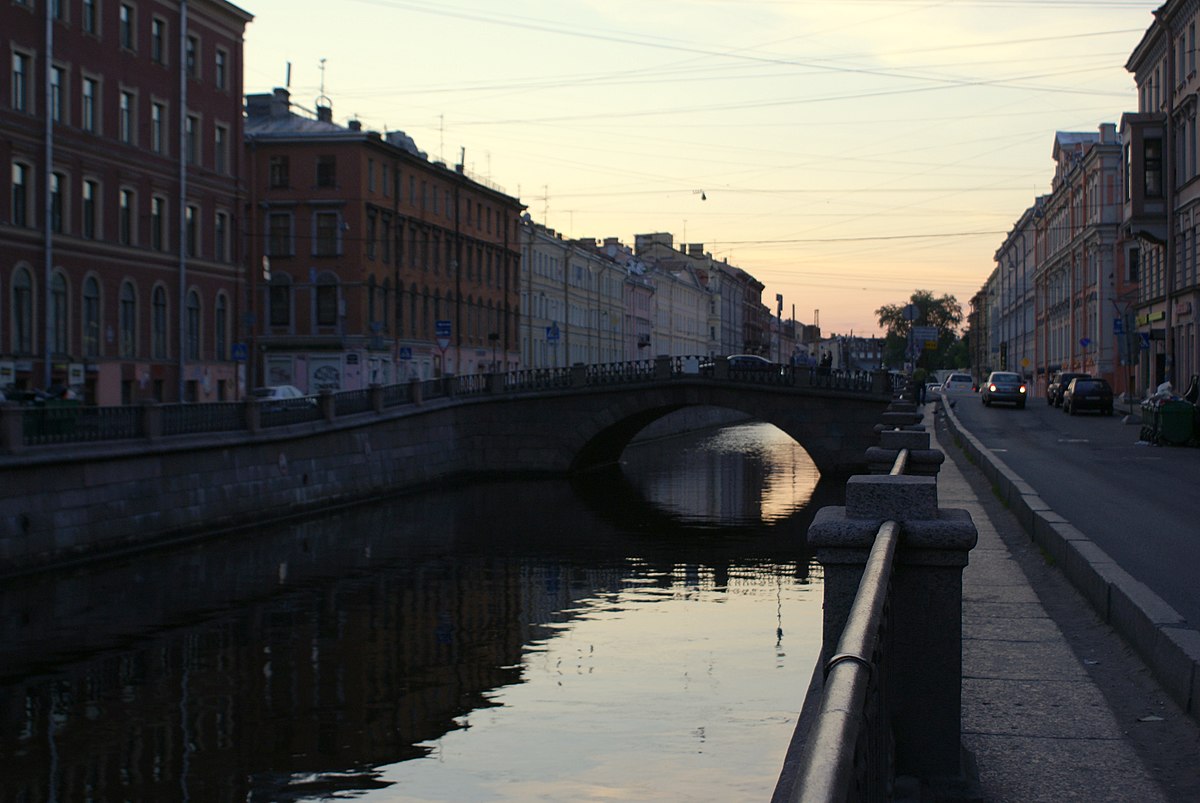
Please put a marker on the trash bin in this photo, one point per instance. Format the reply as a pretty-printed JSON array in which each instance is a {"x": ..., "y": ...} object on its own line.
[
  {"x": 1149, "y": 430},
  {"x": 1175, "y": 420}
]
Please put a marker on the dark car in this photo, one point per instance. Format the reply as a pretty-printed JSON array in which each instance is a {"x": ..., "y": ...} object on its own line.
[
  {"x": 1003, "y": 387},
  {"x": 1088, "y": 393},
  {"x": 1058, "y": 384}
]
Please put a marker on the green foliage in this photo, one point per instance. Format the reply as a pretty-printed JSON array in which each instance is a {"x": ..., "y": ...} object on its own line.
[{"x": 944, "y": 313}]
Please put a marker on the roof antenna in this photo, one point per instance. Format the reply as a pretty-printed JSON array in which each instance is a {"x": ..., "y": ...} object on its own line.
[
  {"x": 323, "y": 96},
  {"x": 287, "y": 84}
]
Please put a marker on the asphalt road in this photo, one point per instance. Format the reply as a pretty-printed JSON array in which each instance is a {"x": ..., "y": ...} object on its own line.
[{"x": 1140, "y": 503}]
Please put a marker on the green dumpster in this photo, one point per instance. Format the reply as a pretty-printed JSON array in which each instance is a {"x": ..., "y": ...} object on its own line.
[{"x": 1175, "y": 419}]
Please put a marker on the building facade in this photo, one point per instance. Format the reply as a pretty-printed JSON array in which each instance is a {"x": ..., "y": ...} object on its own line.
[
  {"x": 378, "y": 265},
  {"x": 120, "y": 132},
  {"x": 1161, "y": 212}
]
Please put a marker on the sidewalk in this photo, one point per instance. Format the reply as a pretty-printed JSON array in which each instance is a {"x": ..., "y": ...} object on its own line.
[{"x": 1047, "y": 714}]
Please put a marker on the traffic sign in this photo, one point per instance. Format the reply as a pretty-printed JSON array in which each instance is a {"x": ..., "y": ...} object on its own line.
[
  {"x": 552, "y": 333},
  {"x": 442, "y": 331},
  {"x": 239, "y": 352},
  {"x": 406, "y": 352}
]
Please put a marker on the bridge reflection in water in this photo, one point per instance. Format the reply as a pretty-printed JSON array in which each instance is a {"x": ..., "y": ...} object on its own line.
[{"x": 533, "y": 638}]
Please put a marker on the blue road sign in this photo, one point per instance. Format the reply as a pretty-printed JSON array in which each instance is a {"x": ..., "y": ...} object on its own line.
[
  {"x": 239, "y": 352},
  {"x": 406, "y": 352}
]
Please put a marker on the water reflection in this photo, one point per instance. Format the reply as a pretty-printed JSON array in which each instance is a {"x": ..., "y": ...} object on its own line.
[{"x": 505, "y": 640}]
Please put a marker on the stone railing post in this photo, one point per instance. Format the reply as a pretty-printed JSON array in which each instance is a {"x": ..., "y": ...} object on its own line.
[
  {"x": 325, "y": 402},
  {"x": 494, "y": 383},
  {"x": 662, "y": 366},
  {"x": 253, "y": 415},
  {"x": 578, "y": 375},
  {"x": 881, "y": 383},
  {"x": 924, "y": 666},
  {"x": 375, "y": 392},
  {"x": 151, "y": 421},
  {"x": 922, "y": 461},
  {"x": 721, "y": 367},
  {"x": 415, "y": 391},
  {"x": 12, "y": 432}
]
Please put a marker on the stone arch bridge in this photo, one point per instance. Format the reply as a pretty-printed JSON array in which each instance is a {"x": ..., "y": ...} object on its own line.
[{"x": 81, "y": 481}]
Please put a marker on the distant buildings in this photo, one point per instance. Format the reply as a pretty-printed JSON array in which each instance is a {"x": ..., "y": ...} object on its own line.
[
  {"x": 1101, "y": 274},
  {"x": 164, "y": 238},
  {"x": 120, "y": 261}
]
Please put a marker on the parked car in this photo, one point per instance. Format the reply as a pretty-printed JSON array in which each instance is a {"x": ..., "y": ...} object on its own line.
[
  {"x": 282, "y": 397},
  {"x": 1058, "y": 383},
  {"x": 1088, "y": 393},
  {"x": 958, "y": 383},
  {"x": 1004, "y": 387},
  {"x": 751, "y": 362}
]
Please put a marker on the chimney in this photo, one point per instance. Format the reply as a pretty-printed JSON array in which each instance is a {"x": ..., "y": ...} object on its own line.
[
  {"x": 325, "y": 114},
  {"x": 695, "y": 249},
  {"x": 356, "y": 125},
  {"x": 1108, "y": 133}
]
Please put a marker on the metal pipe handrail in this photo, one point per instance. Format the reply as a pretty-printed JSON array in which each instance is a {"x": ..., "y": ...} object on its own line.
[{"x": 828, "y": 767}]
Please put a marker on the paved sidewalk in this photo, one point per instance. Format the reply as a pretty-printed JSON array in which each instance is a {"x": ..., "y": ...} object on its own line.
[{"x": 1037, "y": 722}]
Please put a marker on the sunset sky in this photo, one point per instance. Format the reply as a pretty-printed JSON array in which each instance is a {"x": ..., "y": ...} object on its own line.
[{"x": 844, "y": 153}]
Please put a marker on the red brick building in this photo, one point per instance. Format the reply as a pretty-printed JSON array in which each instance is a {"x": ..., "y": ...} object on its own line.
[
  {"x": 365, "y": 245},
  {"x": 119, "y": 259}
]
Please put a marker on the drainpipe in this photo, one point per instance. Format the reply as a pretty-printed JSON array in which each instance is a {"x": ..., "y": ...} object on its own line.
[
  {"x": 1169, "y": 178},
  {"x": 48, "y": 200},
  {"x": 182, "y": 301}
]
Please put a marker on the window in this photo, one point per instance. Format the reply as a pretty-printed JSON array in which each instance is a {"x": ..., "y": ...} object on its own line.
[
  {"x": 20, "y": 194},
  {"x": 278, "y": 172},
  {"x": 87, "y": 111},
  {"x": 193, "y": 325},
  {"x": 126, "y": 22},
  {"x": 158, "y": 222},
  {"x": 1152, "y": 155},
  {"x": 158, "y": 323},
  {"x": 280, "y": 299},
  {"x": 158, "y": 41},
  {"x": 279, "y": 227},
  {"x": 21, "y": 82},
  {"x": 126, "y": 118},
  {"x": 326, "y": 171},
  {"x": 58, "y": 315},
  {"x": 56, "y": 202},
  {"x": 128, "y": 321},
  {"x": 158, "y": 129},
  {"x": 326, "y": 224},
  {"x": 125, "y": 222},
  {"x": 90, "y": 191},
  {"x": 221, "y": 148},
  {"x": 22, "y": 312},
  {"x": 193, "y": 47},
  {"x": 91, "y": 317},
  {"x": 221, "y": 69},
  {"x": 91, "y": 22},
  {"x": 190, "y": 223},
  {"x": 371, "y": 175},
  {"x": 220, "y": 325},
  {"x": 371, "y": 224},
  {"x": 327, "y": 298},
  {"x": 221, "y": 237},
  {"x": 56, "y": 9},
  {"x": 191, "y": 134},
  {"x": 57, "y": 79}
]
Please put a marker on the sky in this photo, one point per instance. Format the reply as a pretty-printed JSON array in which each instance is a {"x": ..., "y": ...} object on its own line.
[{"x": 843, "y": 152}]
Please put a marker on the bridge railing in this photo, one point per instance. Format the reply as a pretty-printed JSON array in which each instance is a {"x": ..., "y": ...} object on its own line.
[
  {"x": 25, "y": 427},
  {"x": 885, "y": 701}
]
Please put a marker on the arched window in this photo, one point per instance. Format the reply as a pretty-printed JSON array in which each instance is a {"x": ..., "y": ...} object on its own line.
[
  {"x": 128, "y": 320},
  {"x": 372, "y": 301},
  {"x": 386, "y": 318},
  {"x": 327, "y": 300},
  {"x": 158, "y": 323},
  {"x": 221, "y": 329},
  {"x": 279, "y": 300},
  {"x": 22, "y": 312},
  {"x": 58, "y": 315},
  {"x": 193, "y": 325},
  {"x": 91, "y": 317}
]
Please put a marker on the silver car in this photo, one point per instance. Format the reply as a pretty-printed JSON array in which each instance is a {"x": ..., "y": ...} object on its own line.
[{"x": 1003, "y": 387}]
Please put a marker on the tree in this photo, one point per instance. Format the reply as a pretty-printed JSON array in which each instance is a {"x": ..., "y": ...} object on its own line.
[{"x": 922, "y": 309}]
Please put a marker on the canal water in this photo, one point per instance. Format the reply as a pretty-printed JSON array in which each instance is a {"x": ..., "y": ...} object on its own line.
[{"x": 641, "y": 633}]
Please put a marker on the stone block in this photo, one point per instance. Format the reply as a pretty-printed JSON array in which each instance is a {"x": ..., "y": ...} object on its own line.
[
  {"x": 904, "y": 439},
  {"x": 885, "y": 497}
]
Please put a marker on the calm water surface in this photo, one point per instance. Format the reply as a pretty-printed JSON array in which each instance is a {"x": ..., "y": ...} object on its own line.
[{"x": 642, "y": 634}]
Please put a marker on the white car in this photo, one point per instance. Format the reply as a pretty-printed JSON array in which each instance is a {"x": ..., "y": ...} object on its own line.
[
  {"x": 958, "y": 383},
  {"x": 277, "y": 392}
]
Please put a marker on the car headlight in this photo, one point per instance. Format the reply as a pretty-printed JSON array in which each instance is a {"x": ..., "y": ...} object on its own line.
[{"x": 1022, "y": 388}]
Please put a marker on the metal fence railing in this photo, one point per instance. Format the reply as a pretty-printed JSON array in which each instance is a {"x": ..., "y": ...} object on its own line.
[{"x": 62, "y": 423}]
